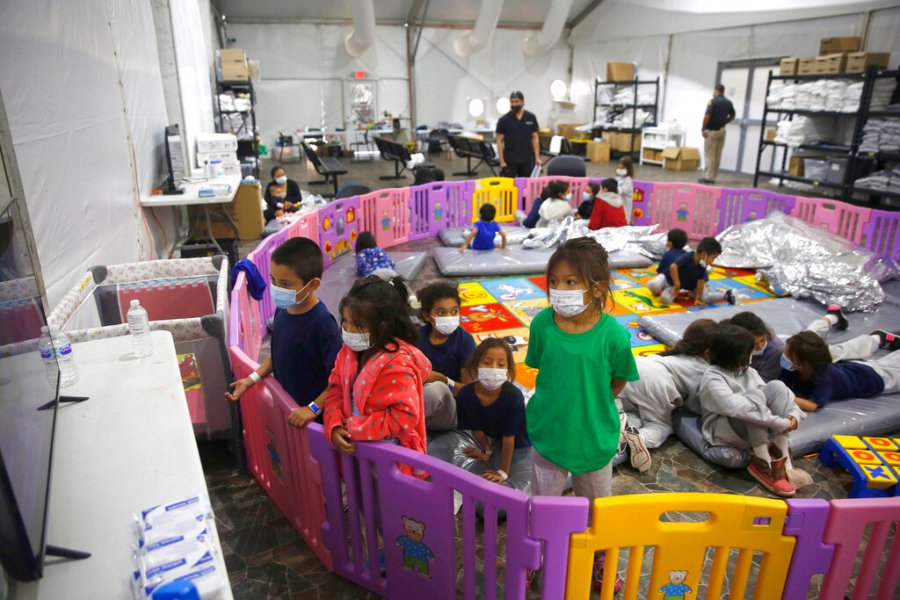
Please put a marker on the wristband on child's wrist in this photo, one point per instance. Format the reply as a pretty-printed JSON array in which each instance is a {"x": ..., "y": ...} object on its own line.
[
  {"x": 451, "y": 384},
  {"x": 503, "y": 474},
  {"x": 254, "y": 377},
  {"x": 314, "y": 407}
]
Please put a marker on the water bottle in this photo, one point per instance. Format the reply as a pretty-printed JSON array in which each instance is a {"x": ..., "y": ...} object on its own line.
[
  {"x": 45, "y": 346},
  {"x": 68, "y": 372},
  {"x": 139, "y": 326}
]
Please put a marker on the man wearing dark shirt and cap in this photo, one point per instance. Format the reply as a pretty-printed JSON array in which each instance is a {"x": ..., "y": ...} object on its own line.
[
  {"x": 517, "y": 139},
  {"x": 719, "y": 112}
]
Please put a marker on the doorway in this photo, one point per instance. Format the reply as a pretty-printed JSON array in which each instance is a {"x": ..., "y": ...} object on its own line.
[{"x": 745, "y": 85}]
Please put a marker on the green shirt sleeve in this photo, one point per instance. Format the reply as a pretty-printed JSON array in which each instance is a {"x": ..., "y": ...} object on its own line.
[{"x": 621, "y": 358}]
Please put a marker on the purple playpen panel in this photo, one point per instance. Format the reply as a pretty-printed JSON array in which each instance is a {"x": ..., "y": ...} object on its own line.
[
  {"x": 847, "y": 521},
  {"x": 553, "y": 520},
  {"x": 640, "y": 207},
  {"x": 306, "y": 226},
  {"x": 262, "y": 258},
  {"x": 424, "y": 219},
  {"x": 386, "y": 213},
  {"x": 806, "y": 521},
  {"x": 338, "y": 228},
  {"x": 418, "y": 526},
  {"x": 741, "y": 206},
  {"x": 257, "y": 461},
  {"x": 838, "y": 218},
  {"x": 882, "y": 233},
  {"x": 687, "y": 206}
]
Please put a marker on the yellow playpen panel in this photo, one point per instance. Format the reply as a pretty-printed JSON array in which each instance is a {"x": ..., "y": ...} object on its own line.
[{"x": 499, "y": 191}]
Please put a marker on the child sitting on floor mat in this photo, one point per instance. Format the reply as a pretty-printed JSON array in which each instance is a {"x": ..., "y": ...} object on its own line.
[
  {"x": 688, "y": 274},
  {"x": 483, "y": 231},
  {"x": 676, "y": 240}
]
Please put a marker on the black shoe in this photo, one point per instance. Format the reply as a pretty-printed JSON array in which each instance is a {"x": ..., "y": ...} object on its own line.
[
  {"x": 704, "y": 180},
  {"x": 889, "y": 340},
  {"x": 729, "y": 295},
  {"x": 835, "y": 310}
]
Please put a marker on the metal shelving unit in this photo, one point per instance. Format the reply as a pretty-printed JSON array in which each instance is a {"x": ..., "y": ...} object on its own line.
[
  {"x": 633, "y": 106},
  {"x": 247, "y": 147}
]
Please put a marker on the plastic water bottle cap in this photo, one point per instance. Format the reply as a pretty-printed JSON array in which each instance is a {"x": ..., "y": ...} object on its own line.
[
  {"x": 135, "y": 303},
  {"x": 45, "y": 329}
]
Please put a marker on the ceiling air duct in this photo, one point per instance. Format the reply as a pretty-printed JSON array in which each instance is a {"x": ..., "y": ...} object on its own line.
[
  {"x": 363, "y": 34},
  {"x": 540, "y": 41},
  {"x": 485, "y": 25}
]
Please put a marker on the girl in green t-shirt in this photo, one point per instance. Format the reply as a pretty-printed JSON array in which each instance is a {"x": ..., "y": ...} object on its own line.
[{"x": 584, "y": 359}]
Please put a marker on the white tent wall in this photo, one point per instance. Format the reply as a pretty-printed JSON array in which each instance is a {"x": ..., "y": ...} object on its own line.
[{"x": 81, "y": 89}]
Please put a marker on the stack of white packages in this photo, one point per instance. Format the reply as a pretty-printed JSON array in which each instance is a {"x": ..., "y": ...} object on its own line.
[
  {"x": 835, "y": 91},
  {"x": 176, "y": 542},
  {"x": 817, "y": 91},
  {"x": 776, "y": 94},
  {"x": 882, "y": 181},
  {"x": 625, "y": 96},
  {"x": 882, "y": 92},
  {"x": 881, "y": 135},
  {"x": 803, "y": 130},
  {"x": 627, "y": 120},
  {"x": 852, "y": 97}
]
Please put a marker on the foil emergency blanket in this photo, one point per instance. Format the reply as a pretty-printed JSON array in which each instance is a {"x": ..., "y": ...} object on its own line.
[
  {"x": 632, "y": 238},
  {"x": 807, "y": 262}
]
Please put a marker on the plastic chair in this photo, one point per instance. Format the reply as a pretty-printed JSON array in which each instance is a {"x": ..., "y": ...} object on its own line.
[{"x": 571, "y": 166}]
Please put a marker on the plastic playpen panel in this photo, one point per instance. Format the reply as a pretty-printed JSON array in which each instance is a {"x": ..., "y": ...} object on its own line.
[
  {"x": 640, "y": 207},
  {"x": 806, "y": 520},
  {"x": 742, "y": 206},
  {"x": 20, "y": 320},
  {"x": 167, "y": 299},
  {"x": 687, "y": 206},
  {"x": 243, "y": 320},
  {"x": 881, "y": 234},
  {"x": 386, "y": 214},
  {"x": 262, "y": 258},
  {"x": 838, "y": 218},
  {"x": 338, "y": 228},
  {"x": 499, "y": 191},
  {"x": 307, "y": 225},
  {"x": 530, "y": 189},
  {"x": 745, "y": 524}
]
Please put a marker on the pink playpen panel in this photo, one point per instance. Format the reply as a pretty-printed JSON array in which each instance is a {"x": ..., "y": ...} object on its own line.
[
  {"x": 640, "y": 207},
  {"x": 687, "y": 206},
  {"x": 386, "y": 213},
  {"x": 20, "y": 320},
  {"x": 530, "y": 189},
  {"x": 306, "y": 226},
  {"x": 262, "y": 258},
  {"x": 847, "y": 521},
  {"x": 250, "y": 405},
  {"x": 838, "y": 218},
  {"x": 338, "y": 228},
  {"x": 882, "y": 233},
  {"x": 166, "y": 300},
  {"x": 741, "y": 206},
  {"x": 244, "y": 329}
]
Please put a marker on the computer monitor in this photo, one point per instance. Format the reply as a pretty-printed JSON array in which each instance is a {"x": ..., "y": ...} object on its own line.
[{"x": 174, "y": 160}]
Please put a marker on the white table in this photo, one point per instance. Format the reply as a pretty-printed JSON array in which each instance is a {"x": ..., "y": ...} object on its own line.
[{"x": 130, "y": 447}]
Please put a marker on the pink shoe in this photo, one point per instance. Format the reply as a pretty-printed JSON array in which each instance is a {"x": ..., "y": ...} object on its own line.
[{"x": 768, "y": 476}]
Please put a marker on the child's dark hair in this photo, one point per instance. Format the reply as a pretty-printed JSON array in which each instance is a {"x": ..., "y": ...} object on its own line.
[
  {"x": 678, "y": 238},
  {"x": 547, "y": 192},
  {"x": 487, "y": 212},
  {"x": 809, "y": 349},
  {"x": 429, "y": 295},
  {"x": 275, "y": 169},
  {"x": 730, "y": 347},
  {"x": 595, "y": 188},
  {"x": 696, "y": 338},
  {"x": 365, "y": 241},
  {"x": 303, "y": 256},
  {"x": 382, "y": 306},
  {"x": 428, "y": 175},
  {"x": 751, "y": 323},
  {"x": 481, "y": 350},
  {"x": 626, "y": 162},
  {"x": 588, "y": 259},
  {"x": 558, "y": 188},
  {"x": 610, "y": 185},
  {"x": 709, "y": 245}
]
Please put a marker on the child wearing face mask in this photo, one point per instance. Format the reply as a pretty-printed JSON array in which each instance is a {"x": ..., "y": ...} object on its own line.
[
  {"x": 375, "y": 390},
  {"x": 369, "y": 257},
  {"x": 810, "y": 371},
  {"x": 448, "y": 347},
  {"x": 493, "y": 409},
  {"x": 305, "y": 337},
  {"x": 740, "y": 409},
  {"x": 688, "y": 274},
  {"x": 588, "y": 197},
  {"x": 608, "y": 209},
  {"x": 676, "y": 240},
  {"x": 282, "y": 194},
  {"x": 583, "y": 356},
  {"x": 625, "y": 179},
  {"x": 556, "y": 207}
]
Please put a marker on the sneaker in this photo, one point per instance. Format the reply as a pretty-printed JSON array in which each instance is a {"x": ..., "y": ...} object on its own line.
[
  {"x": 889, "y": 340},
  {"x": 623, "y": 425},
  {"x": 729, "y": 295},
  {"x": 637, "y": 449},
  {"x": 762, "y": 472},
  {"x": 598, "y": 576},
  {"x": 835, "y": 310}
]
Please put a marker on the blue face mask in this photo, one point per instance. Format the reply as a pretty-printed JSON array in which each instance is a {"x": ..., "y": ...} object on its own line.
[
  {"x": 284, "y": 297},
  {"x": 786, "y": 364},
  {"x": 587, "y": 196}
]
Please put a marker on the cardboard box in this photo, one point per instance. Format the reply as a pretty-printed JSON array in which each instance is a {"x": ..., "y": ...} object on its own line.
[
  {"x": 771, "y": 132},
  {"x": 858, "y": 62},
  {"x": 234, "y": 71},
  {"x": 253, "y": 69},
  {"x": 806, "y": 66},
  {"x": 795, "y": 166},
  {"x": 788, "y": 66},
  {"x": 838, "y": 44},
  {"x": 245, "y": 210},
  {"x": 619, "y": 71},
  {"x": 681, "y": 159},
  {"x": 652, "y": 154},
  {"x": 831, "y": 64},
  {"x": 232, "y": 55},
  {"x": 622, "y": 142},
  {"x": 598, "y": 151},
  {"x": 567, "y": 130}
]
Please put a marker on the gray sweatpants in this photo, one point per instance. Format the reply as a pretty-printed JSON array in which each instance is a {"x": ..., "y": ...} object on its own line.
[
  {"x": 440, "y": 407},
  {"x": 888, "y": 367},
  {"x": 659, "y": 285},
  {"x": 549, "y": 479},
  {"x": 735, "y": 432}
]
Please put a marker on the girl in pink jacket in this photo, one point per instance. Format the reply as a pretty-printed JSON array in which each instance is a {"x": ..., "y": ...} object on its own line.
[{"x": 375, "y": 390}]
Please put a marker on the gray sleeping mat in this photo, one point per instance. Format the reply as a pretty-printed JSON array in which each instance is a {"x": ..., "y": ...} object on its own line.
[
  {"x": 455, "y": 236},
  {"x": 339, "y": 277},
  {"x": 515, "y": 260}
]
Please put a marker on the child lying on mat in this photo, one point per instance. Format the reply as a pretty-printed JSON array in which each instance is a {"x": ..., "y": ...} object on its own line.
[
  {"x": 741, "y": 410},
  {"x": 483, "y": 231},
  {"x": 688, "y": 274},
  {"x": 494, "y": 409},
  {"x": 369, "y": 257},
  {"x": 809, "y": 369},
  {"x": 668, "y": 380}
]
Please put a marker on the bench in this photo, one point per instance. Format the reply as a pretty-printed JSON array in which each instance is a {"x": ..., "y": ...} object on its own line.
[
  {"x": 468, "y": 148},
  {"x": 326, "y": 166},
  {"x": 399, "y": 155}
]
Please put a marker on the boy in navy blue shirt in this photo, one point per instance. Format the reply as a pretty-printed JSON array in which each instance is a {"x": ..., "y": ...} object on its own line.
[
  {"x": 483, "y": 231},
  {"x": 676, "y": 240},
  {"x": 305, "y": 337},
  {"x": 688, "y": 272}
]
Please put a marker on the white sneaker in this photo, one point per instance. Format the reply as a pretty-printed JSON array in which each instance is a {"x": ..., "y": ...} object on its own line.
[
  {"x": 623, "y": 423},
  {"x": 640, "y": 455}
]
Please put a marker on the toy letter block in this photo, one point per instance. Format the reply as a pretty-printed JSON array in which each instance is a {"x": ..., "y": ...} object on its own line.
[
  {"x": 879, "y": 476},
  {"x": 890, "y": 458},
  {"x": 879, "y": 443},
  {"x": 864, "y": 457},
  {"x": 850, "y": 442}
]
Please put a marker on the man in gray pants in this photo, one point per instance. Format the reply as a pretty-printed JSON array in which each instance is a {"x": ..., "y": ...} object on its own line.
[{"x": 719, "y": 112}]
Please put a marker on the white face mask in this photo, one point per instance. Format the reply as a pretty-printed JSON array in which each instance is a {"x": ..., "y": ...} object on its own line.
[
  {"x": 568, "y": 303},
  {"x": 492, "y": 379},
  {"x": 568, "y": 197},
  {"x": 281, "y": 180},
  {"x": 761, "y": 350},
  {"x": 586, "y": 196},
  {"x": 702, "y": 263},
  {"x": 446, "y": 325},
  {"x": 621, "y": 172},
  {"x": 358, "y": 342}
]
